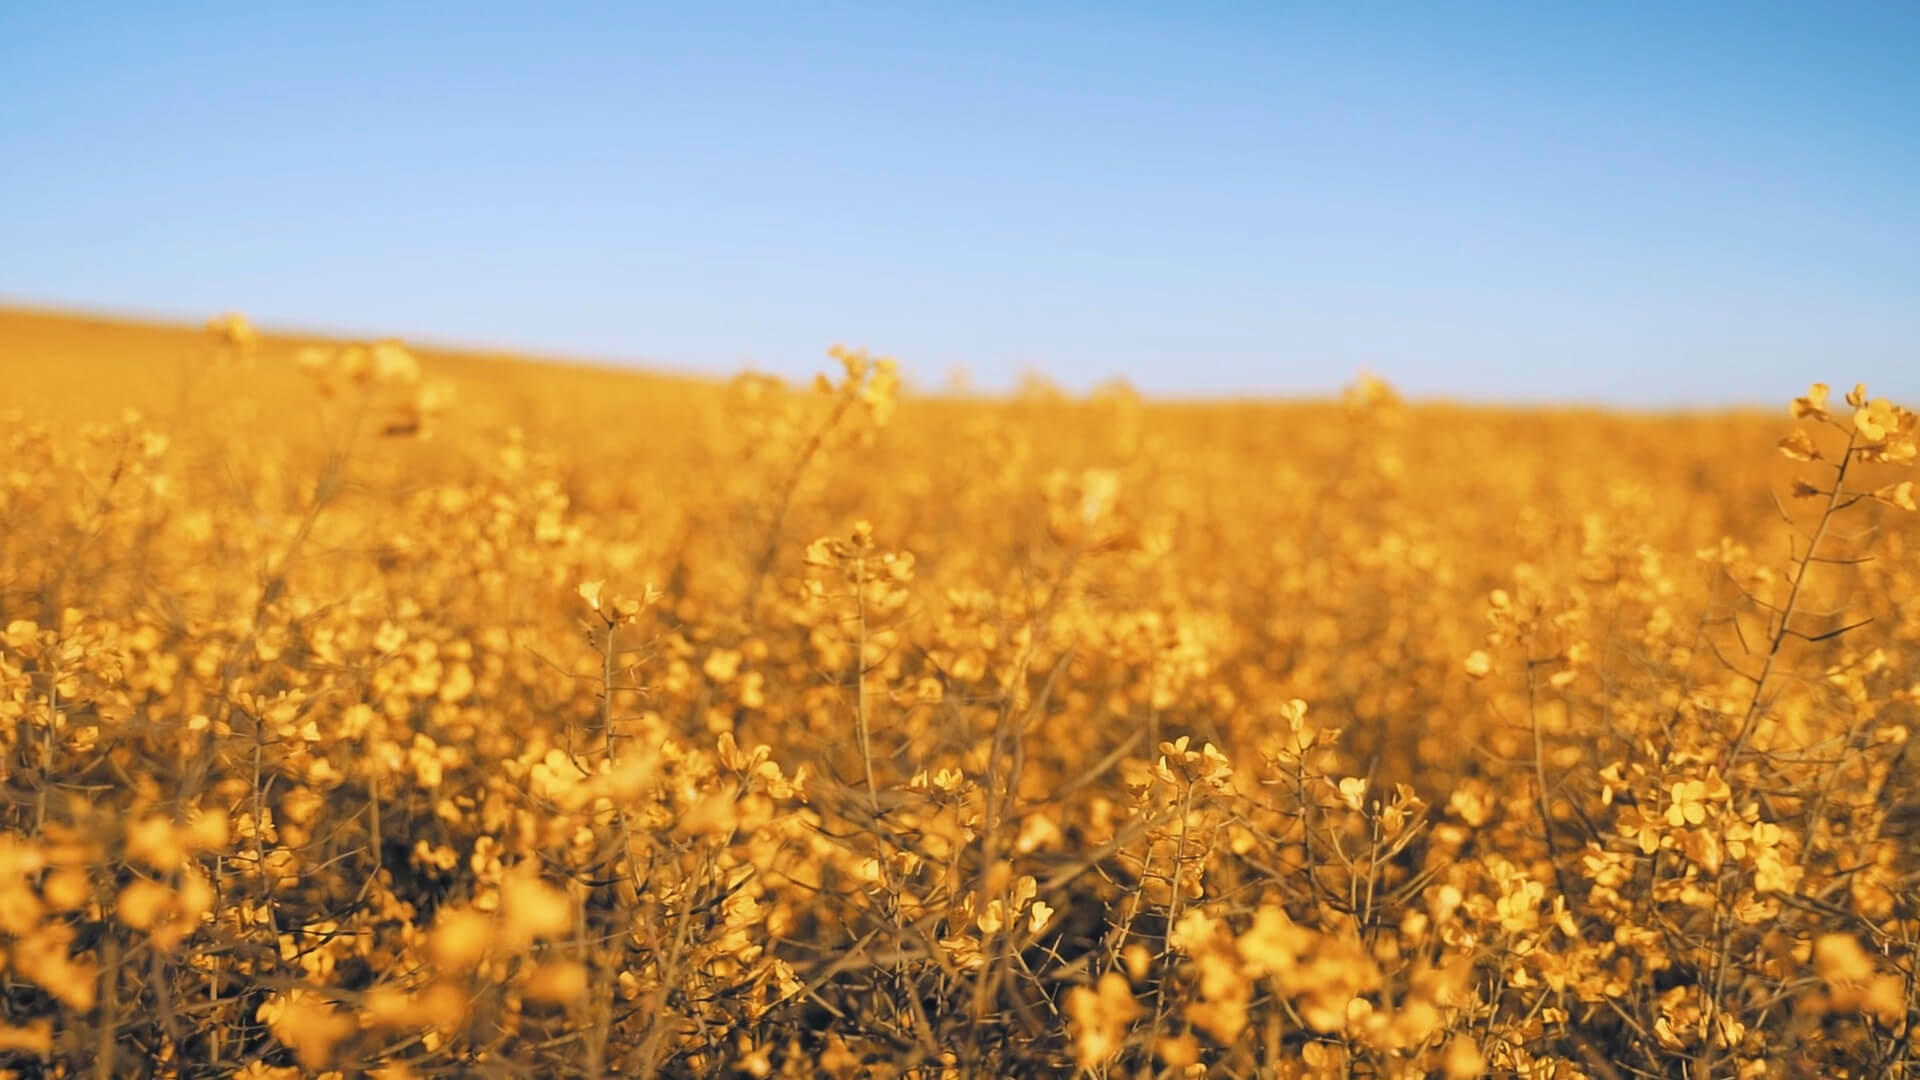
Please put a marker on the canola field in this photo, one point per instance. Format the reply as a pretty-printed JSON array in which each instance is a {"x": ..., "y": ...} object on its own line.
[{"x": 366, "y": 712}]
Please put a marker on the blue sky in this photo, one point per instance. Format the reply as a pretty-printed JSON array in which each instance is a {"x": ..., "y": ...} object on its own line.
[{"x": 1646, "y": 204}]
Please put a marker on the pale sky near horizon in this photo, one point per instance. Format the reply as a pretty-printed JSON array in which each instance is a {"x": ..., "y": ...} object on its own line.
[{"x": 1629, "y": 203}]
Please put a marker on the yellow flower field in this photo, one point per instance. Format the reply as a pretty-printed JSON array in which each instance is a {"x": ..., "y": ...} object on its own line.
[{"x": 372, "y": 712}]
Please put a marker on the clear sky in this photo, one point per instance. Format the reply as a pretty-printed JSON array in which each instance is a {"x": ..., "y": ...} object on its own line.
[{"x": 1642, "y": 203}]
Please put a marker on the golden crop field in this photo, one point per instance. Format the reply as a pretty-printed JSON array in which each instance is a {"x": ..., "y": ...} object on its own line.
[{"x": 422, "y": 715}]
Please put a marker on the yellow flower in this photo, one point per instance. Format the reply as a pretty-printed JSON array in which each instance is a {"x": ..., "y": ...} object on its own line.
[
  {"x": 234, "y": 331},
  {"x": 1898, "y": 495},
  {"x": 35, "y": 1038},
  {"x": 1101, "y": 1016},
  {"x": 1799, "y": 446},
  {"x": 308, "y": 1023},
  {"x": 1839, "y": 958},
  {"x": 154, "y": 843},
  {"x": 722, "y": 665},
  {"x": 533, "y": 909},
  {"x": 460, "y": 937},
  {"x": 1463, "y": 1059},
  {"x": 1876, "y": 420},
  {"x": 1353, "y": 789},
  {"x": 1813, "y": 405},
  {"x": 1038, "y": 916},
  {"x": 1689, "y": 799},
  {"x": 1274, "y": 943},
  {"x": 590, "y": 592},
  {"x": 557, "y": 982}
]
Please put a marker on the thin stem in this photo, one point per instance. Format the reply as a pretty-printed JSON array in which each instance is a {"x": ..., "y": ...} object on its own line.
[
  {"x": 1545, "y": 802},
  {"x": 770, "y": 547},
  {"x": 860, "y": 681},
  {"x": 1752, "y": 718}
]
